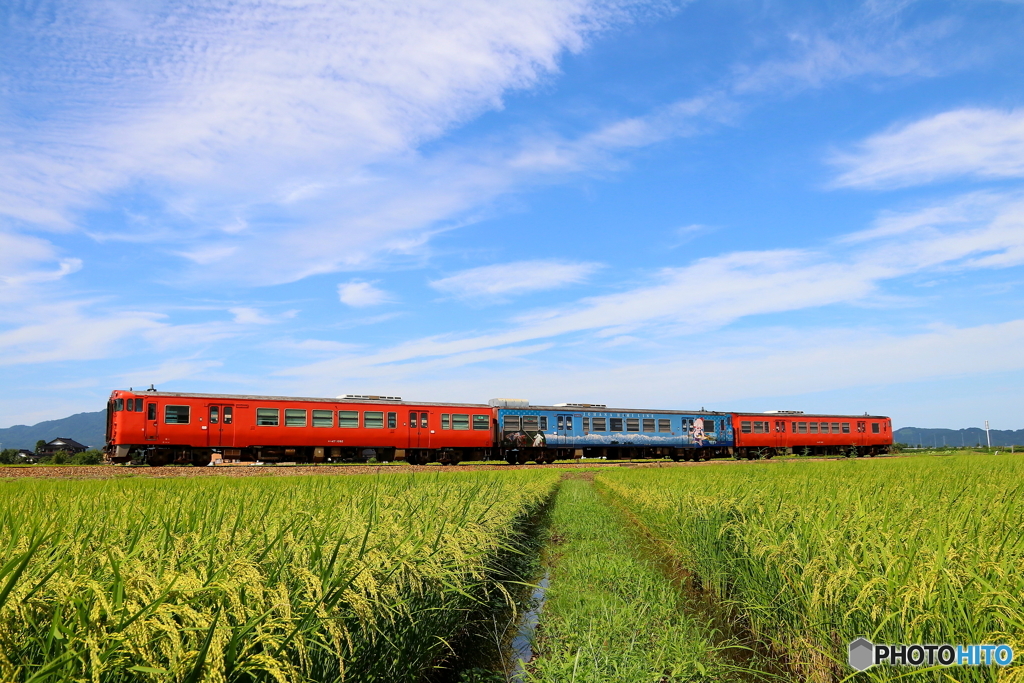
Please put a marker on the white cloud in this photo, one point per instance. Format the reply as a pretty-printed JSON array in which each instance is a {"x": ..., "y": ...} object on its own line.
[
  {"x": 514, "y": 278},
  {"x": 167, "y": 371},
  {"x": 251, "y": 98},
  {"x": 250, "y": 316},
  {"x": 713, "y": 292},
  {"x": 984, "y": 143},
  {"x": 359, "y": 294}
]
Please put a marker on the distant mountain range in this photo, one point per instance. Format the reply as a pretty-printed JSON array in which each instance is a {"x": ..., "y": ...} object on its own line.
[
  {"x": 89, "y": 429},
  {"x": 931, "y": 438}
]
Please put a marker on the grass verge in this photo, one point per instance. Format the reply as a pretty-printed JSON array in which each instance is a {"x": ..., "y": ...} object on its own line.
[{"x": 611, "y": 614}]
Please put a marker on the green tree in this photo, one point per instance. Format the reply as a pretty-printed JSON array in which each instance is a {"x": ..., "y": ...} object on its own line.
[
  {"x": 9, "y": 456},
  {"x": 90, "y": 457},
  {"x": 40, "y": 445},
  {"x": 61, "y": 457}
]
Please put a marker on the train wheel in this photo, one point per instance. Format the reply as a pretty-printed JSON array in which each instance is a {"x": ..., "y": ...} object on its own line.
[
  {"x": 201, "y": 459},
  {"x": 156, "y": 459}
]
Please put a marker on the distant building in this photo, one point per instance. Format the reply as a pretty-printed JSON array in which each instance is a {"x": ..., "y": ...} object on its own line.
[
  {"x": 69, "y": 446},
  {"x": 27, "y": 456}
]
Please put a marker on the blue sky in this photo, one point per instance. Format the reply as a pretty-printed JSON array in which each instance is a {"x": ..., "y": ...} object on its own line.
[{"x": 732, "y": 205}]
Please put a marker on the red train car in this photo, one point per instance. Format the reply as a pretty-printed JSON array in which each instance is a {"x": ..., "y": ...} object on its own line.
[
  {"x": 774, "y": 433},
  {"x": 164, "y": 427}
]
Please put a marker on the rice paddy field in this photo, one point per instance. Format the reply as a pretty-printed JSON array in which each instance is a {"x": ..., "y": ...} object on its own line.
[
  {"x": 743, "y": 571},
  {"x": 349, "y": 578},
  {"x": 812, "y": 555}
]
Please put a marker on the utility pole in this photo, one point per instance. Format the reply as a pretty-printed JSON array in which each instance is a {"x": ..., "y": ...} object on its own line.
[{"x": 988, "y": 437}]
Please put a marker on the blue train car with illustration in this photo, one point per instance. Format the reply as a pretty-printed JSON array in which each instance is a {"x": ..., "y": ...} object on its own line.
[{"x": 572, "y": 430}]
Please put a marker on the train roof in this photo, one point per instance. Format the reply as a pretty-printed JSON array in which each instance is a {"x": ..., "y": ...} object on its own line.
[
  {"x": 305, "y": 399},
  {"x": 604, "y": 409},
  {"x": 798, "y": 415}
]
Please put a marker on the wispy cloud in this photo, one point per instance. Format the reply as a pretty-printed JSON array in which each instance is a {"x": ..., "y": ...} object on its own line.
[
  {"x": 360, "y": 294},
  {"x": 510, "y": 279},
  {"x": 714, "y": 292},
  {"x": 250, "y": 316},
  {"x": 984, "y": 143}
]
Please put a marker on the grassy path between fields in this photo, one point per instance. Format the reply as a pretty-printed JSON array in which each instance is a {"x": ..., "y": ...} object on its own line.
[{"x": 612, "y": 613}]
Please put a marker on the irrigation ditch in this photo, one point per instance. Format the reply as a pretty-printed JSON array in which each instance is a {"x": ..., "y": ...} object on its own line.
[{"x": 510, "y": 640}]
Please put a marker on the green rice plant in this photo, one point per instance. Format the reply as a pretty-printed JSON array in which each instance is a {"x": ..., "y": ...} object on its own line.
[
  {"x": 612, "y": 614},
  {"x": 354, "y": 578},
  {"x": 816, "y": 554}
]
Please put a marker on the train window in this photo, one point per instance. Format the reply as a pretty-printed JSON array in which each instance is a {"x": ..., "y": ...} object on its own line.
[
  {"x": 543, "y": 422},
  {"x": 632, "y": 424},
  {"x": 130, "y": 405},
  {"x": 561, "y": 422},
  {"x": 530, "y": 423},
  {"x": 780, "y": 426},
  {"x": 138, "y": 405},
  {"x": 214, "y": 415},
  {"x": 814, "y": 427},
  {"x": 267, "y": 417},
  {"x": 460, "y": 421},
  {"x": 846, "y": 428},
  {"x": 118, "y": 404},
  {"x": 665, "y": 426},
  {"x": 481, "y": 422},
  {"x": 568, "y": 423},
  {"x": 323, "y": 418},
  {"x": 227, "y": 415},
  {"x": 176, "y": 415},
  {"x": 824, "y": 427},
  {"x": 616, "y": 424},
  {"x": 745, "y": 427},
  {"x": 151, "y": 411},
  {"x": 874, "y": 428},
  {"x": 835, "y": 427},
  {"x": 598, "y": 424},
  {"x": 349, "y": 419},
  {"x": 373, "y": 419},
  {"x": 759, "y": 427},
  {"x": 446, "y": 421},
  {"x": 586, "y": 425},
  {"x": 648, "y": 424},
  {"x": 392, "y": 420},
  {"x": 511, "y": 423},
  {"x": 423, "y": 420},
  {"x": 294, "y": 417}
]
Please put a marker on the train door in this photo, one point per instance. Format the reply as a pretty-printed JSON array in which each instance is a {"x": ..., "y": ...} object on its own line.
[
  {"x": 780, "y": 434},
  {"x": 151, "y": 424},
  {"x": 221, "y": 426},
  {"x": 419, "y": 429},
  {"x": 563, "y": 428},
  {"x": 862, "y": 432}
]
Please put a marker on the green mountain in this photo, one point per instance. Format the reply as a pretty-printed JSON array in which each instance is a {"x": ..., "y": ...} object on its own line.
[
  {"x": 85, "y": 428},
  {"x": 934, "y": 438}
]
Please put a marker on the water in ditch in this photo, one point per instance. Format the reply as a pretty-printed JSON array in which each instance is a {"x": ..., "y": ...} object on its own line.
[{"x": 521, "y": 646}]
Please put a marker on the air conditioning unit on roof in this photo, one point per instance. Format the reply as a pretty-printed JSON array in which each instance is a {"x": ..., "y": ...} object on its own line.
[
  {"x": 580, "y": 405},
  {"x": 509, "y": 403},
  {"x": 360, "y": 397}
]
